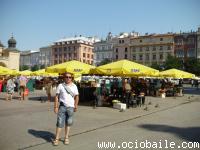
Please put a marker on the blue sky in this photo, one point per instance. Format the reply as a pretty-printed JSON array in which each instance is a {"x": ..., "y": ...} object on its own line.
[{"x": 37, "y": 23}]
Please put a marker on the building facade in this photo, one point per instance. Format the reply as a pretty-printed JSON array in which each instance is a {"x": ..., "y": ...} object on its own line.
[
  {"x": 103, "y": 49},
  {"x": 198, "y": 43},
  {"x": 75, "y": 48},
  {"x": 29, "y": 58},
  {"x": 45, "y": 58},
  {"x": 185, "y": 45},
  {"x": 25, "y": 58},
  {"x": 9, "y": 57},
  {"x": 35, "y": 57},
  {"x": 153, "y": 48}
]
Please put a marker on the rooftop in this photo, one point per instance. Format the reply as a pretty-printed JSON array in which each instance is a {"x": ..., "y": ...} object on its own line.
[{"x": 78, "y": 38}]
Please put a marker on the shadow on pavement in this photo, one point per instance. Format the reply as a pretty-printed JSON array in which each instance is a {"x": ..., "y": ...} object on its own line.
[
  {"x": 37, "y": 98},
  {"x": 46, "y": 135},
  {"x": 191, "y": 134}
]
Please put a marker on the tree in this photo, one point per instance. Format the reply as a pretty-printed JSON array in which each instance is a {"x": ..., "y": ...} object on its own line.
[
  {"x": 24, "y": 67},
  {"x": 35, "y": 68},
  {"x": 173, "y": 62},
  {"x": 104, "y": 62},
  {"x": 192, "y": 65},
  {"x": 42, "y": 66},
  {"x": 156, "y": 66}
]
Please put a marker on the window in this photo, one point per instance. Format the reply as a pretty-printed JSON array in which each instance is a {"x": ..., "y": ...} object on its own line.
[
  {"x": 83, "y": 54},
  {"x": 141, "y": 57},
  {"x": 161, "y": 56},
  {"x": 65, "y": 49},
  {"x": 55, "y": 62},
  {"x": 147, "y": 48},
  {"x": 60, "y": 50},
  {"x": 55, "y": 50},
  {"x": 88, "y": 55},
  {"x": 56, "y": 55},
  {"x": 116, "y": 50},
  {"x": 154, "y": 56},
  {"x": 140, "y": 41},
  {"x": 179, "y": 41},
  {"x": 119, "y": 41},
  {"x": 126, "y": 49},
  {"x": 92, "y": 56},
  {"x": 161, "y": 39},
  {"x": 154, "y": 48},
  {"x": 140, "y": 49},
  {"x": 147, "y": 56},
  {"x": 190, "y": 40},
  {"x": 69, "y": 48},
  {"x": 97, "y": 56},
  {"x": 179, "y": 53},
  {"x": 191, "y": 53},
  {"x": 133, "y": 49},
  {"x": 75, "y": 55},
  {"x": 168, "y": 47},
  {"x": 122, "y": 41},
  {"x": 134, "y": 57},
  {"x": 161, "y": 47},
  {"x": 102, "y": 55},
  {"x": 116, "y": 57},
  {"x": 125, "y": 56}
]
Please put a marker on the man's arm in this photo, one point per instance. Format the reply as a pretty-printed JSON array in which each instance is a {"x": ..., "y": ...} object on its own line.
[
  {"x": 76, "y": 99},
  {"x": 56, "y": 104}
]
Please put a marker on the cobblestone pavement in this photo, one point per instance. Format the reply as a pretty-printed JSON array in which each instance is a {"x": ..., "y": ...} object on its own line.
[{"x": 30, "y": 124}]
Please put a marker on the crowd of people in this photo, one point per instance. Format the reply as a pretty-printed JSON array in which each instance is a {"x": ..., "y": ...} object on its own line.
[
  {"x": 133, "y": 90},
  {"x": 102, "y": 90}
]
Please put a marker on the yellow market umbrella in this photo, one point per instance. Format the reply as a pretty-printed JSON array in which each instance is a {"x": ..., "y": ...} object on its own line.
[
  {"x": 42, "y": 72},
  {"x": 125, "y": 68},
  {"x": 4, "y": 70},
  {"x": 7, "y": 71},
  {"x": 25, "y": 72},
  {"x": 14, "y": 73},
  {"x": 74, "y": 67},
  {"x": 175, "y": 73}
]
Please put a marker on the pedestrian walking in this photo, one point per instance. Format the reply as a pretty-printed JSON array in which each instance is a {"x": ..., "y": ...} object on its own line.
[
  {"x": 48, "y": 88},
  {"x": 22, "y": 86},
  {"x": 66, "y": 103},
  {"x": 10, "y": 88}
]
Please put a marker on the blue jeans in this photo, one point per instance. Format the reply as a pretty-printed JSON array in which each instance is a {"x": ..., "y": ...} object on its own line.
[{"x": 65, "y": 115}]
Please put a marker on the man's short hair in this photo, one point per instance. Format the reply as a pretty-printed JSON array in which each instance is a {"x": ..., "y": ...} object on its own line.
[{"x": 65, "y": 74}]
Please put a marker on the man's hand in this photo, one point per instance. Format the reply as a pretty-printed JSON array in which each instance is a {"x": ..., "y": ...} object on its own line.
[
  {"x": 56, "y": 110},
  {"x": 75, "y": 108}
]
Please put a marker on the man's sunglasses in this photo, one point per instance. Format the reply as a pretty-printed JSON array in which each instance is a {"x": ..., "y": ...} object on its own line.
[{"x": 68, "y": 77}]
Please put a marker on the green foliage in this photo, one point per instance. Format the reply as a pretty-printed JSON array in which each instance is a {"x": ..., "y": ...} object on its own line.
[
  {"x": 173, "y": 62},
  {"x": 35, "y": 68},
  {"x": 25, "y": 67},
  {"x": 155, "y": 66},
  {"x": 104, "y": 62},
  {"x": 192, "y": 65},
  {"x": 42, "y": 66}
]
